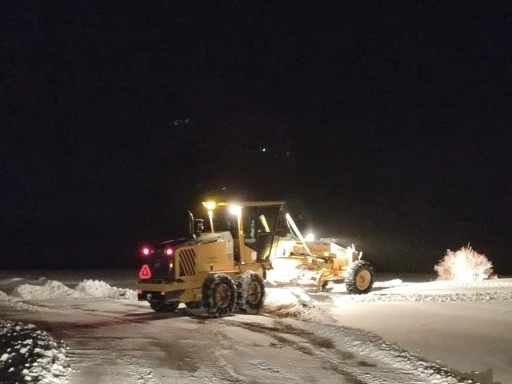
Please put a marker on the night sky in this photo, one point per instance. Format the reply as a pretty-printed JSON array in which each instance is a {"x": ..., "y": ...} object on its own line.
[{"x": 384, "y": 123}]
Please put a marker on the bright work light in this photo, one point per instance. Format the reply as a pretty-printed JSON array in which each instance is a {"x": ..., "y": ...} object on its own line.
[
  {"x": 310, "y": 237},
  {"x": 209, "y": 205},
  {"x": 235, "y": 209}
]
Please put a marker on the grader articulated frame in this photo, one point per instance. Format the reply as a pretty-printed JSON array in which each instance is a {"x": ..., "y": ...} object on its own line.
[{"x": 316, "y": 263}]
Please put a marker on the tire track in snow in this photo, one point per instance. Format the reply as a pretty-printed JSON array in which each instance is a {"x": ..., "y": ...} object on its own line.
[
  {"x": 123, "y": 366},
  {"x": 235, "y": 364},
  {"x": 311, "y": 345},
  {"x": 224, "y": 348},
  {"x": 358, "y": 356},
  {"x": 393, "y": 364},
  {"x": 141, "y": 374}
]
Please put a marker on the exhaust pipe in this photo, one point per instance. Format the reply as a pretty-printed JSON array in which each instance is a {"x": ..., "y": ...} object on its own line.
[{"x": 190, "y": 225}]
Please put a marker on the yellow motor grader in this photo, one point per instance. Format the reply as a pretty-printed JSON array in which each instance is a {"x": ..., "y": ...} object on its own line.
[{"x": 221, "y": 269}]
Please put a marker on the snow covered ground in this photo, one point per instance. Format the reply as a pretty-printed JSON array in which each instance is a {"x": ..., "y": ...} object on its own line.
[
  {"x": 28, "y": 354},
  {"x": 376, "y": 327}
]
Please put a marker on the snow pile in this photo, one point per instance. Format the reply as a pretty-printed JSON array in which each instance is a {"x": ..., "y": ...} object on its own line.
[
  {"x": 387, "y": 284},
  {"x": 283, "y": 270},
  {"x": 7, "y": 285},
  {"x": 51, "y": 290},
  {"x": 19, "y": 305},
  {"x": 293, "y": 302},
  {"x": 489, "y": 283},
  {"x": 29, "y": 355},
  {"x": 338, "y": 288},
  {"x": 85, "y": 289},
  {"x": 424, "y": 297},
  {"x": 96, "y": 288},
  {"x": 277, "y": 298}
]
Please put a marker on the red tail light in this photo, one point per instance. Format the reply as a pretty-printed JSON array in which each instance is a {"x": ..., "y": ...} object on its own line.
[
  {"x": 146, "y": 250},
  {"x": 145, "y": 272},
  {"x": 168, "y": 251}
]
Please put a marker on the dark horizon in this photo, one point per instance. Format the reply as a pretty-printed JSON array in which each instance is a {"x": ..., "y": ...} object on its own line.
[{"x": 384, "y": 124}]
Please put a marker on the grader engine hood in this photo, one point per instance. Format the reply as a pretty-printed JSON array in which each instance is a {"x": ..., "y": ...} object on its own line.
[{"x": 176, "y": 259}]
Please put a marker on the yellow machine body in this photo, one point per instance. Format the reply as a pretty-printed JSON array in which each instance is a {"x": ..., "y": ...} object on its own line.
[{"x": 239, "y": 240}]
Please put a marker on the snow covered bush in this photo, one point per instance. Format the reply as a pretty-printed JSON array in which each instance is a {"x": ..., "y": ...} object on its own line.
[{"x": 464, "y": 265}]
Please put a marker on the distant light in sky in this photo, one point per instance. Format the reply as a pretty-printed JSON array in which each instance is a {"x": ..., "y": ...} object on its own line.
[{"x": 181, "y": 121}]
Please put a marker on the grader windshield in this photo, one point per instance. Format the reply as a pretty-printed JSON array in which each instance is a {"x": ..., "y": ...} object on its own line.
[
  {"x": 259, "y": 225},
  {"x": 252, "y": 224}
]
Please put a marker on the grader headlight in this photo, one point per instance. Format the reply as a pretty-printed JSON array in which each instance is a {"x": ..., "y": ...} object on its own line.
[
  {"x": 235, "y": 209},
  {"x": 209, "y": 205}
]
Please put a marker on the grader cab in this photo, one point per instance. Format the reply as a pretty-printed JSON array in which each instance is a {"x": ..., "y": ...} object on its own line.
[{"x": 221, "y": 269}]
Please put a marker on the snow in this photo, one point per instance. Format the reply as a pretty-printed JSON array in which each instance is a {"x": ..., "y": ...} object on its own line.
[
  {"x": 87, "y": 288},
  {"x": 28, "y": 354},
  {"x": 101, "y": 289},
  {"x": 358, "y": 342},
  {"x": 18, "y": 304},
  {"x": 327, "y": 314},
  {"x": 50, "y": 290},
  {"x": 387, "y": 284},
  {"x": 425, "y": 298}
]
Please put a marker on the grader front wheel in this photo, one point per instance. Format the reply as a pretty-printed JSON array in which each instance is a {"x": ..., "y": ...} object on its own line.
[
  {"x": 251, "y": 292},
  {"x": 360, "y": 278}
]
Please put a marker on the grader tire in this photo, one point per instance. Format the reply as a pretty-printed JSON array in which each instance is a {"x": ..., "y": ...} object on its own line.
[
  {"x": 161, "y": 307},
  {"x": 219, "y": 295},
  {"x": 360, "y": 278},
  {"x": 250, "y": 292}
]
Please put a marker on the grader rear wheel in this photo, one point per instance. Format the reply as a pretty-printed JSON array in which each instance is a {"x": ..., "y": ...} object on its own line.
[{"x": 250, "y": 292}]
